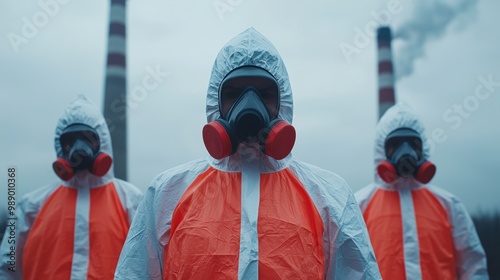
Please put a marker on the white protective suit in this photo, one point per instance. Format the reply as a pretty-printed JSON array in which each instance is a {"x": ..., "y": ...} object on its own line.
[
  {"x": 72, "y": 229},
  {"x": 248, "y": 216},
  {"x": 418, "y": 231}
]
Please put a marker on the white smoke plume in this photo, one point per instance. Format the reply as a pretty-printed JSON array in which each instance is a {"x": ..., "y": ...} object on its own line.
[{"x": 430, "y": 20}]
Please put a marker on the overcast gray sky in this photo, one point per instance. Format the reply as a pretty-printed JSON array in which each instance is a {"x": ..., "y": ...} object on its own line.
[{"x": 445, "y": 50}]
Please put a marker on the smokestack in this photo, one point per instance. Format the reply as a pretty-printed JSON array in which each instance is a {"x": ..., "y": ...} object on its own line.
[
  {"x": 386, "y": 97},
  {"x": 115, "y": 95}
]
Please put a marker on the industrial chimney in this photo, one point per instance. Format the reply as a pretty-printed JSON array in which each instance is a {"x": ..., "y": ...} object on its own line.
[
  {"x": 386, "y": 97},
  {"x": 115, "y": 95}
]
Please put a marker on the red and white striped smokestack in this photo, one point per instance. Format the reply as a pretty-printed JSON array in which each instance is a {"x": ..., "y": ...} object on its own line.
[
  {"x": 386, "y": 96},
  {"x": 115, "y": 95}
]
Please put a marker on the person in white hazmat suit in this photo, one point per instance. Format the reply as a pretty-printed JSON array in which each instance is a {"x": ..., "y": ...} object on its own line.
[
  {"x": 76, "y": 227},
  {"x": 418, "y": 231},
  {"x": 251, "y": 210}
]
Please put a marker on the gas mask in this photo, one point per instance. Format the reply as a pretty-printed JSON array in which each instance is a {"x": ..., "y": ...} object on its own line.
[
  {"x": 80, "y": 151},
  {"x": 249, "y": 103},
  {"x": 403, "y": 149}
]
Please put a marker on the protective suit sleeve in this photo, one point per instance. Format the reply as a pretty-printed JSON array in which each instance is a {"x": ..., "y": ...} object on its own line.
[
  {"x": 130, "y": 197},
  {"x": 15, "y": 236},
  {"x": 471, "y": 258},
  {"x": 142, "y": 254},
  {"x": 353, "y": 256},
  {"x": 346, "y": 243},
  {"x": 364, "y": 195}
]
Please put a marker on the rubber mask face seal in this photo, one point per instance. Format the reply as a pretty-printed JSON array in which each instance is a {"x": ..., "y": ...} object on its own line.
[
  {"x": 80, "y": 132},
  {"x": 396, "y": 138},
  {"x": 240, "y": 79}
]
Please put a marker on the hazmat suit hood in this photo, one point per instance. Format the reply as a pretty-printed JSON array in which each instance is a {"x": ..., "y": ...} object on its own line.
[
  {"x": 398, "y": 116},
  {"x": 249, "y": 48},
  {"x": 83, "y": 111}
]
